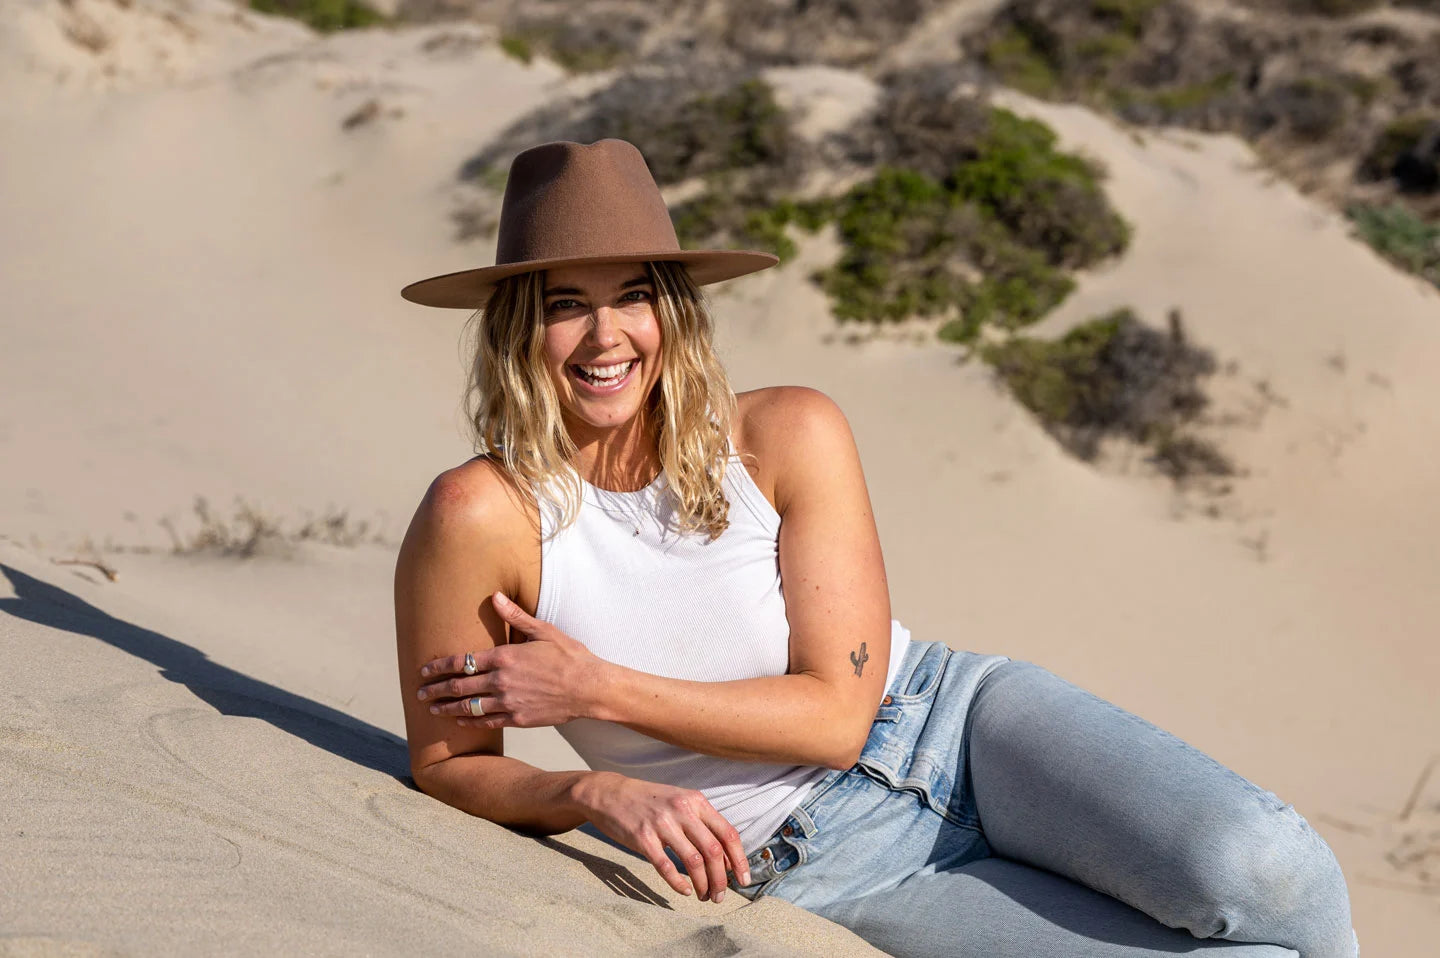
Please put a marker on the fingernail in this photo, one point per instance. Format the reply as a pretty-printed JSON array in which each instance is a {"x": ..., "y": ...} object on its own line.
[
  {"x": 420, "y": 695},
  {"x": 425, "y": 670},
  {"x": 434, "y": 710},
  {"x": 500, "y": 599},
  {"x": 719, "y": 896},
  {"x": 745, "y": 877}
]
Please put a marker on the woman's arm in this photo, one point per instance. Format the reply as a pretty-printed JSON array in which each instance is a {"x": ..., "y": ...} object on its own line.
[
  {"x": 458, "y": 550},
  {"x": 837, "y": 602},
  {"x": 453, "y": 554}
]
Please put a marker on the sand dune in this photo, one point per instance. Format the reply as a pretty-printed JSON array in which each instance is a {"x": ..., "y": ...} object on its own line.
[{"x": 200, "y": 264}]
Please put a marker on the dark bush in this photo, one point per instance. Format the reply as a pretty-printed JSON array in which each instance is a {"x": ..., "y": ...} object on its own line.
[
  {"x": 1112, "y": 375},
  {"x": 686, "y": 127},
  {"x": 1310, "y": 108},
  {"x": 1407, "y": 150},
  {"x": 920, "y": 123},
  {"x": 580, "y": 46},
  {"x": 835, "y": 32},
  {"x": 1321, "y": 8},
  {"x": 1064, "y": 47}
]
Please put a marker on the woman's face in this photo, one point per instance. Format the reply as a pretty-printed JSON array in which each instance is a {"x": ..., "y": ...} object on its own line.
[{"x": 602, "y": 342}]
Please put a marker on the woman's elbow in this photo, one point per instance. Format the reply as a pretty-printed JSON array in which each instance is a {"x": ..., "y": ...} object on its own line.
[
  {"x": 845, "y": 752},
  {"x": 426, "y": 779}
]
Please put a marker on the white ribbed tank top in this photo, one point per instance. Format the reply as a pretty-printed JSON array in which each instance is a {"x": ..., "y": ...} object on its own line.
[{"x": 625, "y": 582}]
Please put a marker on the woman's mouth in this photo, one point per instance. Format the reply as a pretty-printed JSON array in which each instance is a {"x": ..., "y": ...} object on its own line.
[{"x": 603, "y": 380}]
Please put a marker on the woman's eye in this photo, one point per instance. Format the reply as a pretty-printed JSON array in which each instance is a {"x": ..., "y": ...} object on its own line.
[
  {"x": 643, "y": 294},
  {"x": 563, "y": 304}
]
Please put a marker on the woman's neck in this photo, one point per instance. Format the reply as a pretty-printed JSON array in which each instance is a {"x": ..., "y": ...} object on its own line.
[{"x": 622, "y": 460}]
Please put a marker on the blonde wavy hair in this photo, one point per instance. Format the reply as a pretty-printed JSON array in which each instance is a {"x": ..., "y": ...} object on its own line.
[{"x": 514, "y": 412}]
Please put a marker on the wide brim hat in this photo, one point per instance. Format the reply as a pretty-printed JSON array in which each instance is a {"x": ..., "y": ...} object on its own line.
[{"x": 572, "y": 203}]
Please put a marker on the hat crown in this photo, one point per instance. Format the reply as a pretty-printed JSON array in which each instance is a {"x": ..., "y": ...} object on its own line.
[{"x": 566, "y": 199}]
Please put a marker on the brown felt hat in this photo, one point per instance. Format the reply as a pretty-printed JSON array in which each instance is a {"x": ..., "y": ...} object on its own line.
[{"x": 568, "y": 203}]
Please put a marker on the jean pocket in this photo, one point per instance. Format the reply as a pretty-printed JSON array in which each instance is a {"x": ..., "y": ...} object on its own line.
[{"x": 923, "y": 678}]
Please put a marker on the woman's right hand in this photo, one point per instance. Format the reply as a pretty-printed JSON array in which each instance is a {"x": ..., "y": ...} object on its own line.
[{"x": 648, "y": 817}]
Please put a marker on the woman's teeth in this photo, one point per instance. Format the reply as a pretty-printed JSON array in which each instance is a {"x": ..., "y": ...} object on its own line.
[{"x": 605, "y": 375}]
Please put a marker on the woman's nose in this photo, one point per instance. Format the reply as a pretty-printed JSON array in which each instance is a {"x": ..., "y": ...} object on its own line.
[{"x": 603, "y": 328}]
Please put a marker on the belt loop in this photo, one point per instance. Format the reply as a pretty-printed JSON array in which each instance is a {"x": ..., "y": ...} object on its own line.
[{"x": 804, "y": 822}]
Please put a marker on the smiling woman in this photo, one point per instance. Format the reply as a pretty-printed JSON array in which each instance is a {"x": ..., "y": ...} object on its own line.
[{"x": 712, "y": 633}]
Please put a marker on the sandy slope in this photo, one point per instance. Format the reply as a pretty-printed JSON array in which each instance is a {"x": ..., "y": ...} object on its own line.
[{"x": 200, "y": 264}]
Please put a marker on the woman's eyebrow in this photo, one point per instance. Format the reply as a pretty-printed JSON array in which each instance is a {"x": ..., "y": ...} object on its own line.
[{"x": 572, "y": 291}]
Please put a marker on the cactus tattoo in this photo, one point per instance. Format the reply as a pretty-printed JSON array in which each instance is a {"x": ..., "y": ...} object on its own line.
[{"x": 859, "y": 660}]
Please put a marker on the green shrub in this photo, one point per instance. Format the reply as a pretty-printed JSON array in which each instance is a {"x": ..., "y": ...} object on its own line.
[
  {"x": 1172, "y": 104},
  {"x": 580, "y": 41},
  {"x": 323, "y": 15},
  {"x": 900, "y": 229},
  {"x": 1017, "y": 59},
  {"x": 989, "y": 241},
  {"x": 1401, "y": 236},
  {"x": 517, "y": 47},
  {"x": 1048, "y": 199},
  {"x": 726, "y": 217},
  {"x": 1050, "y": 47}
]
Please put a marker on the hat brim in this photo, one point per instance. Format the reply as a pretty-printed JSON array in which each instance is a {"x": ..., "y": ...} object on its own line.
[{"x": 471, "y": 288}]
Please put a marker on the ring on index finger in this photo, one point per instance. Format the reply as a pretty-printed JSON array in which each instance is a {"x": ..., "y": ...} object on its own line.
[
  {"x": 474, "y": 706},
  {"x": 470, "y": 668}
]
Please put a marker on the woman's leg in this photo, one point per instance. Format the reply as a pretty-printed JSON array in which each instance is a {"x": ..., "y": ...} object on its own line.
[
  {"x": 996, "y": 908},
  {"x": 1065, "y": 781}
]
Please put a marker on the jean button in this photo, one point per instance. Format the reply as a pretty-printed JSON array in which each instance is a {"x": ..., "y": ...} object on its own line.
[
  {"x": 765, "y": 854},
  {"x": 787, "y": 831},
  {"x": 886, "y": 700}
]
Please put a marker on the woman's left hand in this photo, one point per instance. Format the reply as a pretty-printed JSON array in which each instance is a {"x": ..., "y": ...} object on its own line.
[{"x": 544, "y": 678}]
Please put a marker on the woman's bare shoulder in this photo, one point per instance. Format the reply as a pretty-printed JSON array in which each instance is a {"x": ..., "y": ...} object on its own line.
[
  {"x": 775, "y": 425},
  {"x": 478, "y": 489},
  {"x": 476, "y": 503}
]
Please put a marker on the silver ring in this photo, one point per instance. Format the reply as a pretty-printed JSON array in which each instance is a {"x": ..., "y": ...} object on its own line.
[
  {"x": 473, "y": 704},
  {"x": 470, "y": 668}
]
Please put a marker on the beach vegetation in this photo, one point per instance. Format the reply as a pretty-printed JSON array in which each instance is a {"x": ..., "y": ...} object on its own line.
[
  {"x": 1115, "y": 376},
  {"x": 1400, "y": 235},
  {"x": 969, "y": 213},
  {"x": 250, "y": 531},
  {"x": 1407, "y": 152},
  {"x": 324, "y": 16},
  {"x": 517, "y": 47},
  {"x": 988, "y": 243},
  {"x": 577, "y": 44}
]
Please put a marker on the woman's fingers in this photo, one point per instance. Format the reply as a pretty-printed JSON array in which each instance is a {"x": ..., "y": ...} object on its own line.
[
  {"x": 709, "y": 857},
  {"x": 517, "y": 617},
  {"x": 455, "y": 664},
  {"x": 654, "y": 851},
  {"x": 489, "y": 705},
  {"x": 459, "y": 687},
  {"x": 691, "y": 857},
  {"x": 729, "y": 840}
]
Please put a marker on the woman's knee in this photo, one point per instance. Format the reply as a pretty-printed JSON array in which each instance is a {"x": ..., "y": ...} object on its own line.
[{"x": 1266, "y": 875}]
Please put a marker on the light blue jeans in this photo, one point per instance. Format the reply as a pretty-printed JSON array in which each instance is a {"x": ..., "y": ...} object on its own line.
[{"x": 998, "y": 810}]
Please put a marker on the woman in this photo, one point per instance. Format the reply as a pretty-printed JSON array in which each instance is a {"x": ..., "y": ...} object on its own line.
[{"x": 712, "y": 633}]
